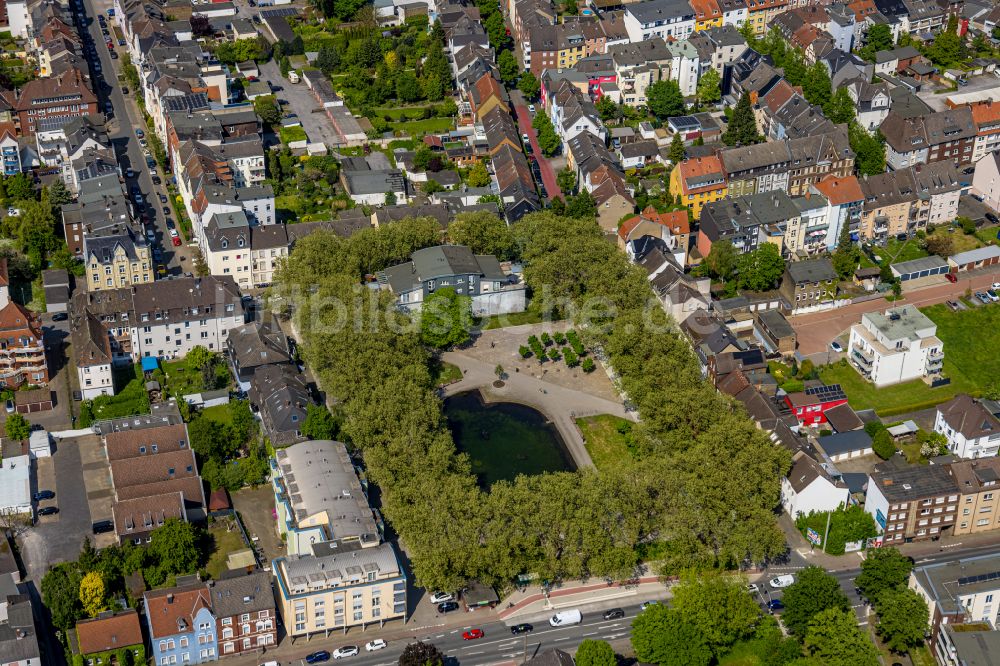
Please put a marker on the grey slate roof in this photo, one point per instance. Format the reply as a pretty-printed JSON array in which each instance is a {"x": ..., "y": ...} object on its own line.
[
  {"x": 242, "y": 594},
  {"x": 812, "y": 270},
  {"x": 845, "y": 442}
]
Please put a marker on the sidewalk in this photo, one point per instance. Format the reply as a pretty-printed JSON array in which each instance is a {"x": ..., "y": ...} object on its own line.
[{"x": 533, "y": 603}]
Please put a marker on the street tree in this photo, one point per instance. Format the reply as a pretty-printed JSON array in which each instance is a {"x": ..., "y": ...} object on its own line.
[
  {"x": 813, "y": 591},
  {"x": 833, "y": 637},
  {"x": 719, "y": 607},
  {"x": 883, "y": 569},
  {"x": 421, "y": 654},
  {"x": 529, "y": 86},
  {"x": 566, "y": 180},
  {"x": 817, "y": 87},
  {"x": 445, "y": 319},
  {"x": 661, "y": 636},
  {"x": 841, "y": 107},
  {"x": 595, "y": 653},
  {"x": 507, "y": 65},
  {"x": 903, "y": 618}
]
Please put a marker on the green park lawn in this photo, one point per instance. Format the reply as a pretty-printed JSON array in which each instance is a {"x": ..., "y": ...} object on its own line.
[
  {"x": 446, "y": 373},
  {"x": 965, "y": 335},
  {"x": 604, "y": 443},
  {"x": 897, "y": 251}
]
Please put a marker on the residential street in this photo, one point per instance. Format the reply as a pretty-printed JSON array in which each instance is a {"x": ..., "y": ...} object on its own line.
[
  {"x": 121, "y": 131},
  {"x": 524, "y": 124}
]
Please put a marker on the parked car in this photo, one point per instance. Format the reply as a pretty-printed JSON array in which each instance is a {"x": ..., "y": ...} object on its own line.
[
  {"x": 752, "y": 588},
  {"x": 472, "y": 634},
  {"x": 10, "y": 406},
  {"x": 175, "y": 241},
  {"x": 139, "y": 133},
  {"x": 43, "y": 495},
  {"x": 102, "y": 526},
  {"x": 441, "y": 597},
  {"x": 163, "y": 198},
  {"x": 165, "y": 209},
  {"x": 346, "y": 651},
  {"x": 48, "y": 511},
  {"x": 781, "y": 581},
  {"x": 983, "y": 298},
  {"x": 130, "y": 173},
  {"x": 993, "y": 295},
  {"x": 836, "y": 346},
  {"x": 993, "y": 218},
  {"x": 951, "y": 277},
  {"x": 447, "y": 606},
  {"x": 161, "y": 270},
  {"x": 170, "y": 223},
  {"x": 614, "y": 614},
  {"x": 775, "y": 605},
  {"x": 647, "y": 604},
  {"x": 318, "y": 657},
  {"x": 124, "y": 90},
  {"x": 531, "y": 108},
  {"x": 518, "y": 629},
  {"x": 114, "y": 55},
  {"x": 376, "y": 644},
  {"x": 60, "y": 316},
  {"x": 156, "y": 180},
  {"x": 953, "y": 305}
]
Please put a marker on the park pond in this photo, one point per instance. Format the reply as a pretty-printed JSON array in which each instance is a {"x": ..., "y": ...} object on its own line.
[{"x": 504, "y": 439}]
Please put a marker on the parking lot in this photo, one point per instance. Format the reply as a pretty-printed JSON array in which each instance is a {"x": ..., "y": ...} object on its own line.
[
  {"x": 58, "y": 538},
  {"x": 301, "y": 102}
]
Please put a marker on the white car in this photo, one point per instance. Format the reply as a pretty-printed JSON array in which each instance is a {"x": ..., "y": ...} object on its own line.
[
  {"x": 647, "y": 604},
  {"x": 376, "y": 644},
  {"x": 441, "y": 597},
  {"x": 13, "y": 212},
  {"x": 173, "y": 233},
  {"x": 346, "y": 651},
  {"x": 996, "y": 285},
  {"x": 752, "y": 588},
  {"x": 531, "y": 108},
  {"x": 836, "y": 346},
  {"x": 781, "y": 581}
]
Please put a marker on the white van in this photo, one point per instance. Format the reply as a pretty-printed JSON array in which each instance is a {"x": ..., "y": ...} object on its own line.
[
  {"x": 293, "y": 76},
  {"x": 566, "y": 618}
]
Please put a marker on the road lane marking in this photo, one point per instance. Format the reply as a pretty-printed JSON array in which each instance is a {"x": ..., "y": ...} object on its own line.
[
  {"x": 478, "y": 652},
  {"x": 590, "y": 633}
]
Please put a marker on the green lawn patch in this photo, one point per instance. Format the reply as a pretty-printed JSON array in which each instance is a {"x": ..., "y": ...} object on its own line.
[
  {"x": 218, "y": 413},
  {"x": 293, "y": 133},
  {"x": 896, "y": 251},
  {"x": 514, "y": 319},
  {"x": 922, "y": 656},
  {"x": 605, "y": 443},
  {"x": 428, "y": 126},
  {"x": 446, "y": 373},
  {"x": 988, "y": 235},
  {"x": 889, "y": 400},
  {"x": 960, "y": 242},
  {"x": 180, "y": 378},
  {"x": 223, "y": 544}
]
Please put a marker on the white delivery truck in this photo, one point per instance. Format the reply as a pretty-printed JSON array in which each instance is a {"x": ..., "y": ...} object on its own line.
[{"x": 566, "y": 618}]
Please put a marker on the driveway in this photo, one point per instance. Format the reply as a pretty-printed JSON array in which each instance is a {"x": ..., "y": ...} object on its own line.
[
  {"x": 976, "y": 84},
  {"x": 524, "y": 124},
  {"x": 58, "y": 538},
  {"x": 301, "y": 101}
]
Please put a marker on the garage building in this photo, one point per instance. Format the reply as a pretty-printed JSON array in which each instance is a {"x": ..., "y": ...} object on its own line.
[
  {"x": 977, "y": 258},
  {"x": 918, "y": 268}
]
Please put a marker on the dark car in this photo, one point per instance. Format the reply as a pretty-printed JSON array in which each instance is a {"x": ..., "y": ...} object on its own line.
[
  {"x": 521, "y": 629},
  {"x": 102, "y": 526},
  {"x": 614, "y": 614},
  {"x": 901, "y": 237},
  {"x": 992, "y": 218},
  {"x": 114, "y": 55},
  {"x": 43, "y": 495},
  {"x": 317, "y": 657},
  {"x": 60, "y": 316},
  {"x": 447, "y": 606},
  {"x": 166, "y": 210},
  {"x": 48, "y": 511},
  {"x": 156, "y": 180},
  {"x": 124, "y": 90},
  {"x": 775, "y": 605}
]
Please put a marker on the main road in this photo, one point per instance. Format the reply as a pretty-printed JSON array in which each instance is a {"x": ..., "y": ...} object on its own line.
[{"x": 121, "y": 128}]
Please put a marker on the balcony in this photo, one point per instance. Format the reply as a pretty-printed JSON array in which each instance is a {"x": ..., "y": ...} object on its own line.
[{"x": 862, "y": 357}]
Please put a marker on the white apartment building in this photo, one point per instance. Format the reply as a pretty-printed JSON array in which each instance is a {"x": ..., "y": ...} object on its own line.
[
  {"x": 896, "y": 346},
  {"x": 972, "y": 430},
  {"x": 669, "y": 19},
  {"x": 685, "y": 68}
]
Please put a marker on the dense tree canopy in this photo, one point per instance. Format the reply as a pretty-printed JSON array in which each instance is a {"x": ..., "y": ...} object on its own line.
[
  {"x": 883, "y": 569},
  {"x": 594, "y": 653},
  {"x": 813, "y": 591},
  {"x": 742, "y": 127},
  {"x": 483, "y": 233},
  {"x": 903, "y": 618},
  {"x": 702, "y": 477},
  {"x": 445, "y": 319},
  {"x": 760, "y": 269},
  {"x": 835, "y": 639},
  {"x": 661, "y": 636},
  {"x": 665, "y": 99}
]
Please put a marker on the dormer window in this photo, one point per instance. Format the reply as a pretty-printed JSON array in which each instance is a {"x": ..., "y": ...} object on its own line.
[{"x": 225, "y": 243}]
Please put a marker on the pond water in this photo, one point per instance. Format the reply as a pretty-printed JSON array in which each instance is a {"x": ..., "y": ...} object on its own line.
[{"x": 504, "y": 439}]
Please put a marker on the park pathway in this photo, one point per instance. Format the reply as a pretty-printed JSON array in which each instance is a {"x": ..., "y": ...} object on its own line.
[{"x": 562, "y": 406}]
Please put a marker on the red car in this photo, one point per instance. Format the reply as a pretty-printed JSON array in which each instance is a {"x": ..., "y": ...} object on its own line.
[
  {"x": 176, "y": 241},
  {"x": 472, "y": 634},
  {"x": 951, "y": 277}
]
